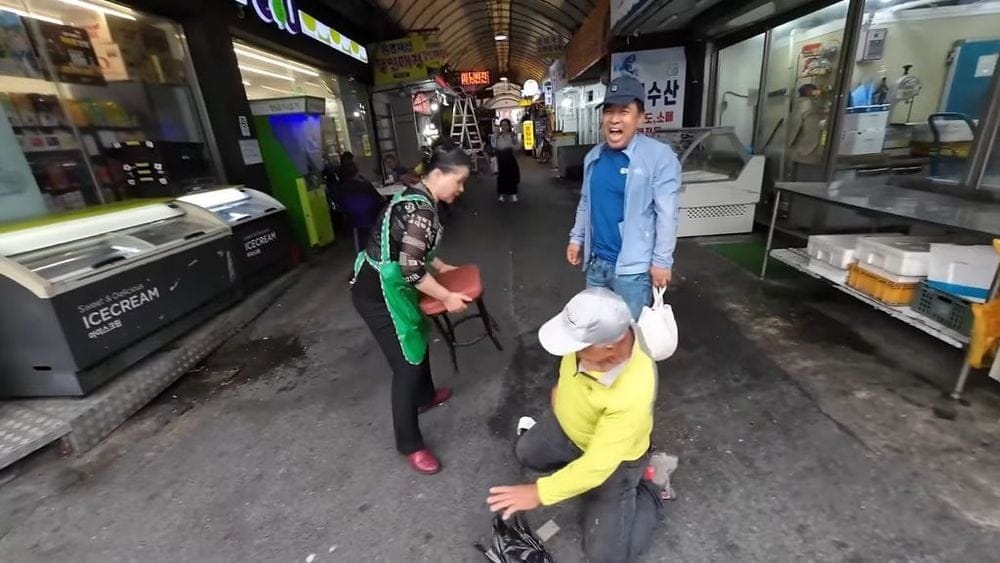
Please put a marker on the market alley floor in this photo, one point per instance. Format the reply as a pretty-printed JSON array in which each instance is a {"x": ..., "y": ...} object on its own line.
[{"x": 803, "y": 422}]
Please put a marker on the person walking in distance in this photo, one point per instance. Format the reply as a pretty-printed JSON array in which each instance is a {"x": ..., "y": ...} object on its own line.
[
  {"x": 508, "y": 172},
  {"x": 626, "y": 222},
  {"x": 389, "y": 276}
]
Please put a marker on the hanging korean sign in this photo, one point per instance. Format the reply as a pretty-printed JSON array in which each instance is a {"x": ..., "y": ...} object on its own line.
[
  {"x": 551, "y": 46},
  {"x": 474, "y": 79},
  {"x": 433, "y": 52},
  {"x": 557, "y": 74},
  {"x": 285, "y": 16},
  {"x": 400, "y": 60},
  {"x": 528, "y": 133},
  {"x": 662, "y": 73}
]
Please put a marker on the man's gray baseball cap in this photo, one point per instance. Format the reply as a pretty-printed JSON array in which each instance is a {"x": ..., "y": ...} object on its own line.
[
  {"x": 623, "y": 91},
  {"x": 593, "y": 316}
]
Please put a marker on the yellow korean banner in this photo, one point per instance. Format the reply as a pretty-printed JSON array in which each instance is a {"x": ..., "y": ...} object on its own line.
[
  {"x": 528, "y": 130},
  {"x": 399, "y": 61},
  {"x": 433, "y": 51}
]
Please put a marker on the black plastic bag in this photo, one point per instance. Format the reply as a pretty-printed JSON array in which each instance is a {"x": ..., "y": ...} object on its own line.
[{"x": 514, "y": 542}]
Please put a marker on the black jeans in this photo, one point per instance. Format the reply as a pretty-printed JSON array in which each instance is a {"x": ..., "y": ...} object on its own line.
[
  {"x": 620, "y": 515},
  {"x": 412, "y": 385}
]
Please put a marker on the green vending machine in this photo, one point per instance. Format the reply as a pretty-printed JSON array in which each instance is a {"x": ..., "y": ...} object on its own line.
[{"x": 290, "y": 134}]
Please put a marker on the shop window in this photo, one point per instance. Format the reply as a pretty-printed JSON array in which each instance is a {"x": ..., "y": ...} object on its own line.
[
  {"x": 346, "y": 124},
  {"x": 77, "y": 80},
  {"x": 920, "y": 83},
  {"x": 794, "y": 126},
  {"x": 737, "y": 86}
]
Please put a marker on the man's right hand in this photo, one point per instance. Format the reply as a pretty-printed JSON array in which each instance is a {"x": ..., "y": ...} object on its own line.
[{"x": 573, "y": 254}]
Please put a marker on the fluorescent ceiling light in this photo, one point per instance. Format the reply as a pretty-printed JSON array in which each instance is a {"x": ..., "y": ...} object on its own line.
[
  {"x": 500, "y": 37},
  {"x": 98, "y": 8},
  {"x": 276, "y": 61},
  {"x": 38, "y": 17},
  {"x": 245, "y": 83},
  {"x": 263, "y": 72}
]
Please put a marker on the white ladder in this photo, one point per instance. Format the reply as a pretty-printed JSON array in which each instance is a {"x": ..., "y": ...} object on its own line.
[{"x": 465, "y": 127}]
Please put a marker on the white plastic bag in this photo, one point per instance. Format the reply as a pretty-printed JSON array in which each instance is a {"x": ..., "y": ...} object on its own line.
[
  {"x": 658, "y": 327},
  {"x": 494, "y": 167}
]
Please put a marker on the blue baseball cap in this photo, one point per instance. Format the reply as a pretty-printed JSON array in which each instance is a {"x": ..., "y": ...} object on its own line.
[{"x": 623, "y": 91}]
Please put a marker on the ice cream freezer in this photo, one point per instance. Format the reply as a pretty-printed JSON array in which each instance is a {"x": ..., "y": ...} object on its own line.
[
  {"x": 262, "y": 238},
  {"x": 85, "y": 297},
  {"x": 720, "y": 181}
]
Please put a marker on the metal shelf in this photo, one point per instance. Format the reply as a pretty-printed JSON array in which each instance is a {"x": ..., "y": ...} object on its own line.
[{"x": 798, "y": 259}]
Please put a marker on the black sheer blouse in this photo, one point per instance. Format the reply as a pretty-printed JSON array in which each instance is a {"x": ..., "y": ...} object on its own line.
[{"x": 414, "y": 229}]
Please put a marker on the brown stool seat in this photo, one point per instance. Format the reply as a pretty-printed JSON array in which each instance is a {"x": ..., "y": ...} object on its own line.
[{"x": 464, "y": 279}]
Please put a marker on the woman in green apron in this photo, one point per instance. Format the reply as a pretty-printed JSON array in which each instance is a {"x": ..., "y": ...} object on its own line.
[{"x": 390, "y": 274}]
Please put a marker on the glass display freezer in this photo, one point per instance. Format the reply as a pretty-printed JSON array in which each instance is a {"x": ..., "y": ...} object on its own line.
[
  {"x": 720, "y": 181},
  {"x": 86, "y": 295},
  {"x": 262, "y": 237}
]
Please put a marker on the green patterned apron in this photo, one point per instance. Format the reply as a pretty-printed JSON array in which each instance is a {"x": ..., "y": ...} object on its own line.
[{"x": 401, "y": 299}]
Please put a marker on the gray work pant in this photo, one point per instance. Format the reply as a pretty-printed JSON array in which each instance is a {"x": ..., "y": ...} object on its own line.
[{"x": 620, "y": 515}]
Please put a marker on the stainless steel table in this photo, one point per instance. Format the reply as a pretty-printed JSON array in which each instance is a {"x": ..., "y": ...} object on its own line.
[{"x": 918, "y": 206}]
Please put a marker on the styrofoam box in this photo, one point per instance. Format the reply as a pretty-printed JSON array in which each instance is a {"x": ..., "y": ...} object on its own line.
[
  {"x": 966, "y": 271},
  {"x": 825, "y": 270},
  {"x": 899, "y": 256},
  {"x": 889, "y": 276},
  {"x": 836, "y": 250}
]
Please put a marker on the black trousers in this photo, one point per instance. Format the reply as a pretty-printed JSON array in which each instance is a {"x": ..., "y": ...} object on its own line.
[
  {"x": 620, "y": 515},
  {"x": 412, "y": 385}
]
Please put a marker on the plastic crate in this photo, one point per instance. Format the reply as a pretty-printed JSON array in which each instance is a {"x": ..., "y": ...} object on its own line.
[
  {"x": 888, "y": 292},
  {"x": 950, "y": 310}
]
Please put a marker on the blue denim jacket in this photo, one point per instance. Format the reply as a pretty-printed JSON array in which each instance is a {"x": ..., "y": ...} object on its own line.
[{"x": 649, "y": 231}]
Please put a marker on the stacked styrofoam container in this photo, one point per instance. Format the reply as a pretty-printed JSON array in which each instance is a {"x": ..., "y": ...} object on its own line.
[
  {"x": 899, "y": 259},
  {"x": 830, "y": 256},
  {"x": 963, "y": 270}
]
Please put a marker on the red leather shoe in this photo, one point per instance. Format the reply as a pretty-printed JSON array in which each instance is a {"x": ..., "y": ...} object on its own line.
[
  {"x": 424, "y": 462},
  {"x": 441, "y": 396}
]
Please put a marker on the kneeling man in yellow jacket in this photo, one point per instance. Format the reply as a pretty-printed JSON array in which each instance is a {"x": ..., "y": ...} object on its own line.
[{"x": 596, "y": 440}]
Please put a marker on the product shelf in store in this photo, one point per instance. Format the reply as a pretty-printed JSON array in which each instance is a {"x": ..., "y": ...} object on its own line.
[{"x": 798, "y": 258}]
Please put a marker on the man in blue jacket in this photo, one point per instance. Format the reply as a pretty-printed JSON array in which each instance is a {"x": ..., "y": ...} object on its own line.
[{"x": 626, "y": 223}]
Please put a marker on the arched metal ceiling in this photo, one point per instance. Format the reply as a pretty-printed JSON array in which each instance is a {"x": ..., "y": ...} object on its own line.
[{"x": 467, "y": 29}]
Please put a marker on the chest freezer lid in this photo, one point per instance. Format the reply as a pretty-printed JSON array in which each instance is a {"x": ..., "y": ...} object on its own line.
[
  {"x": 60, "y": 256},
  {"x": 65, "y": 232},
  {"x": 235, "y": 204}
]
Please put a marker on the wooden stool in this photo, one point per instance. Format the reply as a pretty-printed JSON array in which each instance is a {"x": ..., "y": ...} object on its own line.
[{"x": 465, "y": 280}]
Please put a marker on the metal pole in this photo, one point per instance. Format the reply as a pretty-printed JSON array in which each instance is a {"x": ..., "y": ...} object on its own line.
[
  {"x": 770, "y": 231},
  {"x": 849, "y": 47},
  {"x": 963, "y": 376},
  {"x": 756, "y": 140},
  {"x": 710, "y": 96}
]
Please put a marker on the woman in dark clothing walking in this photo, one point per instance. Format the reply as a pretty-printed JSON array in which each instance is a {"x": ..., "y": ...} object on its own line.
[
  {"x": 389, "y": 276},
  {"x": 508, "y": 172}
]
